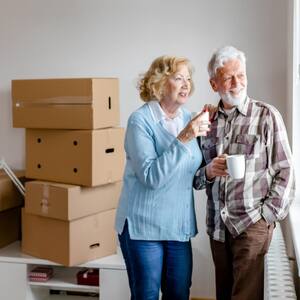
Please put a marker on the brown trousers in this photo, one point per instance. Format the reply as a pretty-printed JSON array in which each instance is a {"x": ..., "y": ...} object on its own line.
[{"x": 239, "y": 263}]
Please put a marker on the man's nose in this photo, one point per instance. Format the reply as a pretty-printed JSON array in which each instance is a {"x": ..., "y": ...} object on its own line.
[{"x": 234, "y": 80}]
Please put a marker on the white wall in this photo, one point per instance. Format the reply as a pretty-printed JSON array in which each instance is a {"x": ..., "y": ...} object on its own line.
[{"x": 80, "y": 38}]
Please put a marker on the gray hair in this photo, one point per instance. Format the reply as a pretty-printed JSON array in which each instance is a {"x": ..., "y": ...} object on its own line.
[{"x": 221, "y": 56}]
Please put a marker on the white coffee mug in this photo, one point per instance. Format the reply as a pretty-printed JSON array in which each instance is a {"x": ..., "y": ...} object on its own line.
[{"x": 236, "y": 166}]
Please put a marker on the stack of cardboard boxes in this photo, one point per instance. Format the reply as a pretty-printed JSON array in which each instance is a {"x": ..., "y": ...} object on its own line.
[{"x": 74, "y": 147}]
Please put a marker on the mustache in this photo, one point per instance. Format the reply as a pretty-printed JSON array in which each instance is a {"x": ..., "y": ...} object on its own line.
[{"x": 238, "y": 89}]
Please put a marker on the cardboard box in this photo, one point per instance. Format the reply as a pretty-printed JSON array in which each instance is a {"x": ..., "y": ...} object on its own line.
[
  {"x": 81, "y": 157},
  {"x": 78, "y": 103},
  {"x": 68, "y": 202},
  {"x": 10, "y": 226},
  {"x": 9, "y": 195},
  {"x": 69, "y": 242}
]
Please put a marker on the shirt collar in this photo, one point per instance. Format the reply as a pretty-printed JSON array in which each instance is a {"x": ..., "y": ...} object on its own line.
[
  {"x": 158, "y": 114},
  {"x": 242, "y": 107}
]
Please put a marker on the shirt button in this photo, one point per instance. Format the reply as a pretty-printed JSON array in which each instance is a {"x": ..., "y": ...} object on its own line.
[{"x": 223, "y": 213}]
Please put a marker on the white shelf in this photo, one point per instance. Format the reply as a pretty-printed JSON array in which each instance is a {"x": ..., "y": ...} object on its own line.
[
  {"x": 112, "y": 276},
  {"x": 12, "y": 253},
  {"x": 64, "y": 279}
]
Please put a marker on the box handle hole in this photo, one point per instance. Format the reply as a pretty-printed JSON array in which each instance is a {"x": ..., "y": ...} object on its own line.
[
  {"x": 75, "y": 170},
  {"x": 109, "y": 102},
  {"x": 110, "y": 150},
  {"x": 96, "y": 245},
  {"x": 75, "y": 143}
]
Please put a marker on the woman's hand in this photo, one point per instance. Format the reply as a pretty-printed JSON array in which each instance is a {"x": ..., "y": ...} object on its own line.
[
  {"x": 198, "y": 126},
  {"x": 211, "y": 109}
]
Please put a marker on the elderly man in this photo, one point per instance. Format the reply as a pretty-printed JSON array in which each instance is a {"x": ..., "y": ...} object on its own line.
[{"x": 241, "y": 213}]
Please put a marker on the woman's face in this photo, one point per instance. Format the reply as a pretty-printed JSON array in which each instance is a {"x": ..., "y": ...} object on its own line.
[{"x": 178, "y": 86}]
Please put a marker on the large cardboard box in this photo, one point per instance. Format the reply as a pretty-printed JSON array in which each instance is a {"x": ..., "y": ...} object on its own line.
[
  {"x": 10, "y": 226},
  {"x": 69, "y": 242},
  {"x": 81, "y": 157},
  {"x": 78, "y": 103},
  {"x": 9, "y": 195},
  {"x": 68, "y": 202}
]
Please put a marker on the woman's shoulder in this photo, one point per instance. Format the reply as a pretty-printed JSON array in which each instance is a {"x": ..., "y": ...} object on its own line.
[
  {"x": 140, "y": 115},
  {"x": 186, "y": 114},
  {"x": 185, "y": 111}
]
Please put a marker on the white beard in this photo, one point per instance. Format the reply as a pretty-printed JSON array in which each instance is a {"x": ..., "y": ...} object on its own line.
[{"x": 234, "y": 100}]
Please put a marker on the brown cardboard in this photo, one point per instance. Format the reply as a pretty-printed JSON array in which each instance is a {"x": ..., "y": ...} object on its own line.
[
  {"x": 68, "y": 202},
  {"x": 69, "y": 242},
  {"x": 10, "y": 226},
  {"x": 81, "y": 157},
  {"x": 9, "y": 195},
  {"x": 78, "y": 103}
]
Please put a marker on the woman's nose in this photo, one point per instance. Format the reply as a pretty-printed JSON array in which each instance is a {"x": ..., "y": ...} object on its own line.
[{"x": 185, "y": 82}]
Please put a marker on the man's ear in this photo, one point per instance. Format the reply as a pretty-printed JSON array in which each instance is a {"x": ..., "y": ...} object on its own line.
[{"x": 213, "y": 84}]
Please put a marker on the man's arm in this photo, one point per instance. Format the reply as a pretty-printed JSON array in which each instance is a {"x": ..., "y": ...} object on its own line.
[
  {"x": 200, "y": 179},
  {"x": 207, "y": 172},
  {"x": 282, "y": 191}
]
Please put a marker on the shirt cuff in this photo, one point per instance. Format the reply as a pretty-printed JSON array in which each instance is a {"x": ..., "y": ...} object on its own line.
[{"x": 207, "y": 180}]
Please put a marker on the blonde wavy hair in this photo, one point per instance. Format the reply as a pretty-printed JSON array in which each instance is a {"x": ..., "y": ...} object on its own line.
[{"x": 152, "y": 83}]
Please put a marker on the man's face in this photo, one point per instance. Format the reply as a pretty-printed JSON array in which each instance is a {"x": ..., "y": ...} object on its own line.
[{"x": 231, "y": 83}]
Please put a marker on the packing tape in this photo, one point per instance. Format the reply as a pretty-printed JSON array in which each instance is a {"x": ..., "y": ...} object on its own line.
[
  {"x": 66, "y": 100},
  {"x": 45, "y": 199}
]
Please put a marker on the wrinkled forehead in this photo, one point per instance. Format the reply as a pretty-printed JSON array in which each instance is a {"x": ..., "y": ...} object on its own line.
[{"x": 231, "y": 66}]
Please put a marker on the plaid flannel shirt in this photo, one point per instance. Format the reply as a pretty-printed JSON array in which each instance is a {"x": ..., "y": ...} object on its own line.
[{"x": 255, "y": 129}]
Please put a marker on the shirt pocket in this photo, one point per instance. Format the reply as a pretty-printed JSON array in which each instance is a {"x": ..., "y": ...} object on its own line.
[{"x": 247, "y": 144}]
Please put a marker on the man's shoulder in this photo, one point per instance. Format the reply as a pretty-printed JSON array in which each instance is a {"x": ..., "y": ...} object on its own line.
[{"x": 261, "y": 105}]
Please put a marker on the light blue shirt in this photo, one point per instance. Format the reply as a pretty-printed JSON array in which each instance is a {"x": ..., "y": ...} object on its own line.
[
  {"x": 174, "y": 125},
  {"x": 157, "y": 195}
]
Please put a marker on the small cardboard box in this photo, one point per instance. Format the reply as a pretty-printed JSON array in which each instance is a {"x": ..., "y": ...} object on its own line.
[
  {"x": 9, "y": 195},
  {"x": 80, "y": 157},
  {"x": 78, "y": 103},
  {"x": 10, "y": 226},
  {"x": 69, "y": 242},
  {"x": 68, "y": 202}
]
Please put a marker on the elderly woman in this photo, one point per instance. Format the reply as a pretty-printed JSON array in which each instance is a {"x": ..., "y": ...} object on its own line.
[{"x": 156, "y": 217}]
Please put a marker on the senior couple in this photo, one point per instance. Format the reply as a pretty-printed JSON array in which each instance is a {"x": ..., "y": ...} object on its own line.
[{"x": 168, "y": 153}]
